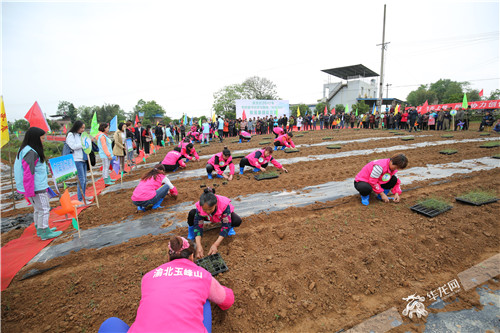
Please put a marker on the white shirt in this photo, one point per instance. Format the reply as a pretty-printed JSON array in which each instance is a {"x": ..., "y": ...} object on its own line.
[{"x": 74, "y": 141}]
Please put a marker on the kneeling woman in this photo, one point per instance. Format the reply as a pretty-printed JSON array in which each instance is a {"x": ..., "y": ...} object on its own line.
[
  {"x": 188, "y": 151},
  {"x": 219, "y": 162},
  {"x": 173, "y": 160},
  {"x": 259, "y": 160},
  {"x": 379, "y": 176},
  {"x": 284, "y": 141},
  {"x": 152, "y": 189},
  {"x": 278, "y": 131},
  {"x": 175, "y": 296},
  {"x": 245, "y": 136},
  {"x": 216, "y": 209}
]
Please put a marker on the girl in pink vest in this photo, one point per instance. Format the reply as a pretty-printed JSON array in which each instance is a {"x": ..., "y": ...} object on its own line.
[
  {"x": 216, "y": 209},
  {"x": 152, "y": 189},
  {"x": 259, "y": 160},
  {"x": 379, "y": 176},
  {"x": 219, "y": 162},
  {"x": 278, "y": 131},
  {"x": 188, "y": 151},
  {"x": 284, "y": 141},
  {"x": 245, "y": 136},
  {"x": 173, "y": 160},
  {"x": 175, "y": 296}
]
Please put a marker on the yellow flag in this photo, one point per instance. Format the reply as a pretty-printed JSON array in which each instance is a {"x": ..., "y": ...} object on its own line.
[
  {"x": 3, "y": 125},
  {"x": 213, "y": 118},
  {"x": 298, "y": 111},
  {"x": 397, "y": 109}
]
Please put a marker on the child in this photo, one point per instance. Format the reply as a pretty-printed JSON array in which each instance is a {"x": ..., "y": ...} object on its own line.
[
  {"x": 379, "y": 176},
  {"x": 284, "y": 140},
  {"x": 219, "y": 162},
  {"x": 30, "y": 172},
  {"x": 245, "y": 136},
  {"x": 206, "y": 132},
  {"x": 259, "y": 160},
  {"x": 216, "y": 209},
  {"x": 173, "y": 160},
  {"x": 278, "y": 131},
  {"x": 152, "y": 189}
]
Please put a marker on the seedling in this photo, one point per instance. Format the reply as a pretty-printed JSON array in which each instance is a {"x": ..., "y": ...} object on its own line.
[
  {"x": 327, "y": 138},
  {"x": 447, "y": 136},
  {"x": 291, "y": 150},
  {"x": 267, "y": 138},
  {"x": 235, "y": 141},
  {"x": 336, "y": 130},
  {"x": 407, "y": 138},
  {"x": 484, "y": 134},
  {"x": 298, "y": 135},
  {"x": 448, "y": 151},
  {"x": 334, "y": 147},
  {"x": 497, "y": 156},
  {"x": 399, "y": 133},
  {"x": 478, "y": 197},
  {"x": 431, "y": 207},
  {"x": 264, "y": 143},
  {"x": 238, "y": 156},
  {"x": 305, "y": 132},
  {"x": 204, "y": 144},
  {"x": 213, "y": 263},
  {"x": 492, "y": 144},
  {"x": 357, "y": 129},
  {"x": 267, "y": 175}
]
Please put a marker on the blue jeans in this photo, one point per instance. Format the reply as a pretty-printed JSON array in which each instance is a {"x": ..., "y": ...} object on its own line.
[
  {"x": 81, "y": 168},
  {"x": 160, "y": 194}
]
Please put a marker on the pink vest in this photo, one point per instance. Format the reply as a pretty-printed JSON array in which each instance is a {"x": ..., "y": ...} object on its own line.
[
  {"x": 284, "y": 142},
  {"x": 257, "y": 162},
  {"x": 245, "y": 134},
  {"x": 364, "y": 176},
  {"x": 216, "y": 217},
  {"x": 222, "y": 163},
  {"x": 172, "y": 157},
  {"x": 184, "y": 153},
  {"x": 278, "y": 130},
  {"x": 172, "y": 298},
  {"x": 147, "y": 188}
]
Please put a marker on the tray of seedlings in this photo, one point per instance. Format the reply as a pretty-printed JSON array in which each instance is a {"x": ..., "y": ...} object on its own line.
[
  {"x": 238, "y": 155},
  {"x": 431, "y": 207},
  {"x": 298, "y": 135},
  {"x": 327, "y": 138},
  {"x": 497, "y": 156},
  {"x": 407, "y": 138},
  {"x": 399, "y": 133},
  {"x": 292, "y": 150},
  {"x": 204, "y": 144},
  {"x": 484, "y": 134},
  {"x": 213, "y": 263},
  {"x": 491, "y": 144},
  {"x": 477, "y": 197},
  {"x": 448, "y": 151},
  {"x": 447, "y": 136},
  {"x": 264, "y": 143},
  {"x": 266, "y": 175},
  {"x": 334, "y": 147},
  {"x": 357, "y": 129}
]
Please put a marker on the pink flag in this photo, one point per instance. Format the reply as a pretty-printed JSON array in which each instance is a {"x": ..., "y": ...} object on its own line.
[
  {"x": 326, "y": 110},
  {"x": 36, "y": 118}
]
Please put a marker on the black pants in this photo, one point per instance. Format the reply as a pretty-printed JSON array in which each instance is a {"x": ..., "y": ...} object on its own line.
[
  {"x": 278, "y": 144},
  {"x": 210, "y": 168},
  {"x": 245, "y": 137},
  {"x": 235, "y": 219},
  {"x": 171, "y": 167},
  {"x": 365, "y": 188},
  {"x": 244, "y": 162}
]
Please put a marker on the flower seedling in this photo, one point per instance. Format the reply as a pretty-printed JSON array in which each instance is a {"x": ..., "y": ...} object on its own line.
[
  {"x": 267, "y": 175},
  {"x": 431, "y": 207},
  {"x": 334, "y": 147},
  {"x": 491, "y": 144},
  {"x": 213, "y": 263},
  {"x": 448, "y": 151},
  {"x": 478, "y": 197}
]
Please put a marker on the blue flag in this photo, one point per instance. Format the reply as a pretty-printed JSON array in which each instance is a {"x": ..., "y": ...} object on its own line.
[
  {"x": 185, "y": 119},
  {"x": 374, "y": 109},
  {"x": 113, "y": 124},
  {"x": 191, "y": 122}
]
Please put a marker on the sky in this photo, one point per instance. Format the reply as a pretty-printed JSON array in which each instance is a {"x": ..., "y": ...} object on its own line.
[{"x": 179, "y": 53}]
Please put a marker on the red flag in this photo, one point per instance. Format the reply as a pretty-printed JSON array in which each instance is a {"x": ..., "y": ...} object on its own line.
[
  {"x": 333, "y": 111},
  {"x": 244, "y": 116},
  {"x": 481, "y": 93},
  {"x": 424, "y": 108},
  {"x": 64, "y": 129},
  {"x": 326, "y": 110},
  {"x": 136, "y": 120},
  {"x": 36, "y": 118}
]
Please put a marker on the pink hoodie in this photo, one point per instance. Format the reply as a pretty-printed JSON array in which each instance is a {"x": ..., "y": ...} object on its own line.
[
  {"x": 245, "y": 134},
  {"x": 257, "y": 162},
  {"x": 284, "y": 141},
  {"x": 222, "y": 163},
  {"x": 173, "y": 295},
  {"x": 172, "y": 158},
  {"x": 365, "y": 175}
]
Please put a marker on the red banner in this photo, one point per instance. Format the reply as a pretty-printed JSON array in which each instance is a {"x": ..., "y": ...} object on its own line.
[{"x": 473, "y": 105}]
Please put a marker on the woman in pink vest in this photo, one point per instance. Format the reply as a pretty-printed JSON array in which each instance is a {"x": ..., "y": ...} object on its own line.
[
  {"x": 219, "y": 162},
  {"x": 259, "y": 160},
  {"x": 188, "y": 151},
  {"x": 284, "y": 141},
  {"x": 173, "y": 160},
  {"x": 175, "y": 296},
  {"x": 152, "y": 189},
  {"x": 215, "y": 209},
  {"x": 245, "y": 136},
  {"x": 278, "y": 131},
  {"x": 379, "y": 176}
]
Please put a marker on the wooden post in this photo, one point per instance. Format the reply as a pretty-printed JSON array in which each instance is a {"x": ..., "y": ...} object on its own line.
[
  {"x": 93, "y": 183},
  {"x": 12, "y": 182},
  {"x": 77, "y": 223}
]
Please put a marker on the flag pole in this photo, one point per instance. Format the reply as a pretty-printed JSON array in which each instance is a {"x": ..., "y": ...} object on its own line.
[
  {"x": 12, "y": 182},
  {"x": 93, "y": 183},
  {"x": 77, "y": 222}
]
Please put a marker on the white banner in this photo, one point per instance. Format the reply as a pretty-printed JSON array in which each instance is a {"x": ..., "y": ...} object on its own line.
[{"x": 261, "y": 108}]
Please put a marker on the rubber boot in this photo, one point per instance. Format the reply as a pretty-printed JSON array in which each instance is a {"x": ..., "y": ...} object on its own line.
[
  {"x": 283, "y": 148},
  {"x": 141, "y": 209},
  {"x": 158, "y": 203},
  {"x": 241, "y": 170},
  {"x": 256, "y": 170},
  {"x": 49, "y": 234},
  {"x": 219, "y": 176},
  {"x": 191, "y": 232},
  {"x": 239, "y": 141},
  {"x": 111, "y": 180},
  {"x": 187, "y": 160},
  {"x": 386, "y": 192},
  {"x": 175, "y": 170},
  {"x": 210, "y": 176},
  {"x": 107, "y": 181},
  {"x": 365, "y": 200},
  {"x": 231, "y": 232},
  {"x": 39, "y": 231}
]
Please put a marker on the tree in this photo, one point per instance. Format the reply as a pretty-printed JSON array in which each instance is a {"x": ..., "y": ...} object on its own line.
[
  {"x": 85, "y": 114},
  {"x": 150, "y": 109},
  {"x": 339, "y": 108},
  {"x": 54, "y": 125},
  {"x": 67, "y": 109},
  {"x": 303, "y": 109},
  {"x": 20, "y": 125},
  {"x": 419, "y": 96},
  {"x": 443, "y": 91},
  {"x": 320, "y": 108},
  {"x": 361, "y": 106},
  {"x": 259, "y": 88},
  {"x": 495, "y": 94}
]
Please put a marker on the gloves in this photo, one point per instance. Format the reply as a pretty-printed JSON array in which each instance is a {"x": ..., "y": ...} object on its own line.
[{"x": 174, "y": 192}]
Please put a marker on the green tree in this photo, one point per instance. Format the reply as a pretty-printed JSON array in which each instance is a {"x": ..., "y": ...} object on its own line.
[
  {"x": 20, "y": 125},
  {"x": 150, "y": 109},
  {"x": 85, "y": 114},
  {"x": 259, "y": 88},
  {"x": 422, "y": 94},
  {"x": 54, "y": 125},
  {"x": 67, "y": 109},
  {"x": 339, "y": 108},
  {"x": 495, "y": 94},
  {"x": 303, "y": 109},
  {"x": 320, "y": 108},
  {"x": 361, "y": 106}
]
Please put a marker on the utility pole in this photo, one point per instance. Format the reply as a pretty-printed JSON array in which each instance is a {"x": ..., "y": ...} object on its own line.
[
  {"x": 381, "y": 86},
  {"x": 387, "y": 85}
]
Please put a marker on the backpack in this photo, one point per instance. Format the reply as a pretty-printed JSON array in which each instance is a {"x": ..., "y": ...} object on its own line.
[{"x": 66, "y": 149}]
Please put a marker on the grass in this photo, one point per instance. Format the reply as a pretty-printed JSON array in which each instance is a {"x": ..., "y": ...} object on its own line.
[
  {"x": 407, "y": 138},
  {"x": 266, "y": 175},
  {"x": 334, "y": 147},
  {"x": 327, "y": 138},
  {"x": 478, "y": 196},
  {"x": 448, "y": 151},
  {"x": 264, "y": 143},
  {"x": 447, "y": 136},
  {"x": 491, "y": 144},
  {"x": 434, "y": 203}
]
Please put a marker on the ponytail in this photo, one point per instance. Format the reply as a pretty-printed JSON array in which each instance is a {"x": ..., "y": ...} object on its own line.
[{"x": 159, "y": 169}]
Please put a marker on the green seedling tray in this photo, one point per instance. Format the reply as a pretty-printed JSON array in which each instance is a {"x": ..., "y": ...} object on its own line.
[
  {"x": 266, "y": 138},
  {"x": 213, "y": 263},
  {"x": 334, "y": 147},
  {"x": 448, "y": 152},
  {"x": 407, "y": 138},
  {"x": 304, "y": 132},
  {"x": 238, "y": 156},
  {"x": 477, "y": 197},
  {"x": 447, "y": 136},
  {"x": 264, "y": 143},
  {"x": 291, "y": 150},
  {"x": 493, "y": 144},
  {"x": 327, "y": 138},
  {"x": 298, "y": 135},
  {"x": 357, "y": 129},
  {"x": 399, "y": 133},
  {"x": 429, "y": 212},
  {"x": 204, "y": 144},
  {"x": 484, "y": 134},
  {"x": 476, "y": 203},
  {"x": 266, "y": 175},
  {"x": 497, "y": 156}
]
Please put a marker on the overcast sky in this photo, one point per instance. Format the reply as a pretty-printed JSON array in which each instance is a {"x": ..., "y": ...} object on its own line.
[{"x": 179, "y": 53}]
